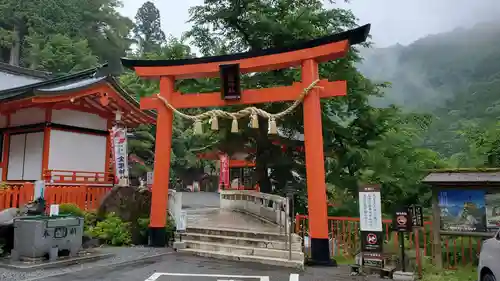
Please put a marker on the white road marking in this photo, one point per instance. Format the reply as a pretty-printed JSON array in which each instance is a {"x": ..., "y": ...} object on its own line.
[
  {"x": 154, "y": 277},
  {"x": 294, "y": 277},
  {"x": 157, "y": 275}
]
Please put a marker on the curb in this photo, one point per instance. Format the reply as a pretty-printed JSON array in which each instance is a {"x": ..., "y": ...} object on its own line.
[
  {"x": 60, "y": 263},
  {"x": 114, "y": 265}
]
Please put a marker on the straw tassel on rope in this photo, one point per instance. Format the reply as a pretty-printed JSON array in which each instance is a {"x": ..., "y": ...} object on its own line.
[
  {"x": 198, "y": 127},
  {"x": 272, "y": 130},
  {"x": 234, "y": 125},
  {"x": 214, "y": 123},
  {"x": 254, "y": 121},
  {"x": 253, "y": 112}
]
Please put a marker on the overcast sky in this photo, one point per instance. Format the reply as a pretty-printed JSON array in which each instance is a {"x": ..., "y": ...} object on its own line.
[{"x": 393, "y": 21}]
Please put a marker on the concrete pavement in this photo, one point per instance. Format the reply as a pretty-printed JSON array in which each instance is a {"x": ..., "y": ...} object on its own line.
[{"x": 180, "y": 267}]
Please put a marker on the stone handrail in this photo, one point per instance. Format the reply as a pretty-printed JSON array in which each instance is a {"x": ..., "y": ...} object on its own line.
[{"x": 272, "y": 208}]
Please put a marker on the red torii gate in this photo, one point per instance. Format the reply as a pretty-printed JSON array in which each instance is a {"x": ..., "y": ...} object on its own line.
[{"x": 307, "y": 55}]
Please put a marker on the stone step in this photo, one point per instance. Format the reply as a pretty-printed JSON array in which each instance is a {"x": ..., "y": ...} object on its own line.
[
  {"x": 244, "y": 250},
  {"x": 242, "y": 241},
  {"x": 268, "y": 236},
  {"x": 246, "y": 258}
]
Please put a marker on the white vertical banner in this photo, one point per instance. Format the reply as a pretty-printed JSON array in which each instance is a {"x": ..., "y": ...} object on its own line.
[
  {"x": 370, "y": 208},
  {"x": 119, "y": 138}
]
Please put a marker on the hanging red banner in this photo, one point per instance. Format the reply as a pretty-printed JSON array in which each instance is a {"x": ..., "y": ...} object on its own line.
[{"x": 224, "y": 171}]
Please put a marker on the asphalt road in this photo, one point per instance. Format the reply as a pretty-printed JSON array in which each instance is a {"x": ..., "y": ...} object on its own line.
[{"x": 183, "y": 267}]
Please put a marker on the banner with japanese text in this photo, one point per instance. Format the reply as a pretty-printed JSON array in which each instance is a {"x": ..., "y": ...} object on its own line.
[
  {"x": 119, "y": 139},
  {"x": 224, "y": 171}
]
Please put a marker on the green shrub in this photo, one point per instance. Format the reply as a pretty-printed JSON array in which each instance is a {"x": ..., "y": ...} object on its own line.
[
  {"x": 432, "y": 273},
  {"x": 71, "y": 209},
  {"x": 89, "y": 220},
  {"x": 143, "y": 224},
  {"x": 112, "y": 231}
]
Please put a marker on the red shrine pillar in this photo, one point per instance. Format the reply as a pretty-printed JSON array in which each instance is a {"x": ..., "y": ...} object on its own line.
[
  {"x": 159, "y": 197},
  {"x": 315, "y": 168}
]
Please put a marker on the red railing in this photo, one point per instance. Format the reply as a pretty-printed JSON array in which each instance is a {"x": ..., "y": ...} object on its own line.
[
  {"x": 15, "y": 194},
  {"x": 77, "y": 177},
  {"x": 345, "y": 234},
  {"x": 86, "y": 197}
]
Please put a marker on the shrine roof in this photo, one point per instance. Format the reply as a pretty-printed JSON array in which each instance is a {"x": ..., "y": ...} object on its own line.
[
  {"x": 14, "y": 76},
  {"x": 444, "y": 177},
  {"x": 86, "y": 87},
  {"x": 21, "y": 71},
  {"x": 353, "y": 36}
]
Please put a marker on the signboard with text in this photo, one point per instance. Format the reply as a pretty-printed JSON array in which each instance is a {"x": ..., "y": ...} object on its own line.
[
  {"x": 370, "y": 208},
  {"x": 370, "y": 215},
  {"x": 417, "y": 215},
  {"x": 402, "y": 220},
  {"x": 230, "y": 79},
  {"x": 119, "y": 138},
  {"x": 372, "y": 241},
  {"x": 149, "y": 179},
  {"x": 224, "y": 171}
]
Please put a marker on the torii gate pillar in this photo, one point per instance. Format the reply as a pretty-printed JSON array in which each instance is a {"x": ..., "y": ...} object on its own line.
[
  {"x": 315, "y": 167},
  {"x": 306, "y": 55}
]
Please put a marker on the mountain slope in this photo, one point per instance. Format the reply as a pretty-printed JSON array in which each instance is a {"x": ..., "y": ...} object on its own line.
[{"x": 455, "y": 76}]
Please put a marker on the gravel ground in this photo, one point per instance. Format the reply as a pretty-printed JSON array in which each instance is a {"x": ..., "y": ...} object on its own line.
[{"x": 122, "y": 255}]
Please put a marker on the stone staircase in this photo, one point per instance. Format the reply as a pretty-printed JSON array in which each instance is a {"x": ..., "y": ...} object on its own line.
[{"x": 243, "y": 245}]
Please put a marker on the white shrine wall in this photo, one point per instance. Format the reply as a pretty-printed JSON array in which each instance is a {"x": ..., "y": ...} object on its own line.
[
  {"x": 77, "y": 151},
  {"x": 69, "y": 150},
  {"x": 27, "y": 116},
  {"x": 79, "y": 119}
]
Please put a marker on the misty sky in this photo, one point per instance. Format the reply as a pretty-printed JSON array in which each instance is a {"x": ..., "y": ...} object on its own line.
[{"x": 393, "y": 21}]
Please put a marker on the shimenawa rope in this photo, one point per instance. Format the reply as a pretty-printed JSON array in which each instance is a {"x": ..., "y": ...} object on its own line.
[{"x": 253, "y": 112}]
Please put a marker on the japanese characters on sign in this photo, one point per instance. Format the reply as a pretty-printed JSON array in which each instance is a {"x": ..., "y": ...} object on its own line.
[
  {"x": 373, "y": 260},
  {"x": 119, "y": 137},
  {"x": 370, "y": 208},
  {"x": 402, "y": 220},
  {"x": 181, "y": 221},
  {"x": 224, "y": 170},
  {"x": 417, "y": 215},
  {"x": 149, "y": 179},
  {"x": 230, "y": 79}
]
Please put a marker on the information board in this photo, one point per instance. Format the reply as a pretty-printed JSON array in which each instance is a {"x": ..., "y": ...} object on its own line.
[
  {"x": 417, "y": 215},
  {"x": 402, "y": 220},
  {"x": 370, "y": 208},
  {"x": 181, "y": 221}
]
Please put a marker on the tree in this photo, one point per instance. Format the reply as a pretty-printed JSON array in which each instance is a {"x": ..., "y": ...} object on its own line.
[
  {"x": 95, "y": 21},
  {"x": 349, "y": 123},
  {"x": 141, "y": 149},
  {"x": 147, "y": 28},
  {"x": 184, "y": 143},
  {"x": 59, "y": 54}
]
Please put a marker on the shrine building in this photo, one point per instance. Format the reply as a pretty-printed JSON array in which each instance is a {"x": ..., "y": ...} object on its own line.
[{"x": 58, "y": 128}]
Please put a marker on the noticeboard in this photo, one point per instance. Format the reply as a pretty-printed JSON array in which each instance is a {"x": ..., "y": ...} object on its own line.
[
  {"x": 417, "y": 215},
  {"x": 370, "y": 208},
  {"x": 372, "y": 241},
  {"x": 402, "y": 220}
]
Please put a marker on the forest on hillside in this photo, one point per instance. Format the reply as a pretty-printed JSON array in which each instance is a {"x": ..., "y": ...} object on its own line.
[
  {"x": 455, "y": 78},
  {"x": 366, "y": 140}
]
